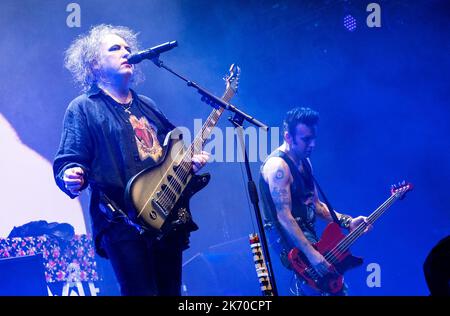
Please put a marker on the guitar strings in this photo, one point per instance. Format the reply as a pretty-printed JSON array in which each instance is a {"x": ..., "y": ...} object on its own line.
[
  {"x": 164, "y": 198},
  {"x": 342, "y": 247},
  {"x": 344, "y": 244},
  {"x": 186, "y": 165},
  {"x": 333, "y": 255}
]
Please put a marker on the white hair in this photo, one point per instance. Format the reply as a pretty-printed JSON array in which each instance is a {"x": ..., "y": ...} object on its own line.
[{"x": 84, "y": 52}]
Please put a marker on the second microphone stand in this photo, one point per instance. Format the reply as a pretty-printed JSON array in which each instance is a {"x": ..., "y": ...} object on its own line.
[{"x": 237, "y": 121}]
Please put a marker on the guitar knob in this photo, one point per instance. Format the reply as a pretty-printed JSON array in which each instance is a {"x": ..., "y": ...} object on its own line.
[{"x": 153, "y": 215}]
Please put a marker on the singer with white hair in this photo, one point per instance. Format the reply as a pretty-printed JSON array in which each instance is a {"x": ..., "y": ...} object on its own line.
[{"x": 111, "y": 133}]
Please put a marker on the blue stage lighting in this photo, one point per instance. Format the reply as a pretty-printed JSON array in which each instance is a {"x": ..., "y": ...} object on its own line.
[{"x": 350, "y": 23}]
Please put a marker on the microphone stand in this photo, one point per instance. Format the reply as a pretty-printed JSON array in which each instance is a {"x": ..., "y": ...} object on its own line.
[
  {"x": 237, "y": 121},
  {"x": 210, "y": 98}
]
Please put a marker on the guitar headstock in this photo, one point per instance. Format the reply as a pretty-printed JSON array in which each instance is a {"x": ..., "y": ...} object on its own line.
[
  {"x": 401, "y": 189},
  {"x": 232, "y": 79}
]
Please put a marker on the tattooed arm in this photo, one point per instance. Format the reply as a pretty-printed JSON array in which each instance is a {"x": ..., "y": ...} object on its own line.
[{"x": 277, "y": 175}]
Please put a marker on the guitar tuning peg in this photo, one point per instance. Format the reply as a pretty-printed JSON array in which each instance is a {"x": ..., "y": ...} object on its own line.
[{"x": 404, "y": 182}]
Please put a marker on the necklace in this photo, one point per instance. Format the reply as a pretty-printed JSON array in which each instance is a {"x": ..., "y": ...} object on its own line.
[{"x": 126, "y": 107}]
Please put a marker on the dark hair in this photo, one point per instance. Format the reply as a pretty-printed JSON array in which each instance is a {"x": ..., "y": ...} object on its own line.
[{"x": 298, "y": 115}]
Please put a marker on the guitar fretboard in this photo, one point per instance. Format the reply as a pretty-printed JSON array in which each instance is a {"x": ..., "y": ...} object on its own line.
[
  {"x": 348, "y": 241},
  {"x": 202, "y": 136}
]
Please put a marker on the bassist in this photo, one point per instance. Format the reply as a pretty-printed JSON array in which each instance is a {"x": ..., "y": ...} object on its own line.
[{"x": 291, "y": 203}]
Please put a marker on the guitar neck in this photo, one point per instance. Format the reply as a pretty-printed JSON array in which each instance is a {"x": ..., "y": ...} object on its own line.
[
  {"x": 348, "y": 241},
  {"x": 211, "y": 122},
  {"x": 196, "y": 146}
]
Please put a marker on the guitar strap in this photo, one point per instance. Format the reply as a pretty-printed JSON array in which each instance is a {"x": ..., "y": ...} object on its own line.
[
  {"x": 113, "y": 212},
  {"x": 293, "y": 168},
  {"x": 327, "y": 202}
]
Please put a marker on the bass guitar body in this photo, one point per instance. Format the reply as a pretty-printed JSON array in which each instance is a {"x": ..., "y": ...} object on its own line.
[{"x": 333, "y": 281}]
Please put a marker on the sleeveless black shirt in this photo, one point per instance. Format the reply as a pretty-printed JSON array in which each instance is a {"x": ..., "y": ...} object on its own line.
[{"x": 302, "y": 193}]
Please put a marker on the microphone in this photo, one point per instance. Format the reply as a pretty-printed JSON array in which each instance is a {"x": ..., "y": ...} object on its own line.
[{"x": 150, "y": 53}]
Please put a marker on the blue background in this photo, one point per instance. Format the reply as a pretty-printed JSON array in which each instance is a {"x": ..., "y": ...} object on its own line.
[{"x": 383, "y": 96}]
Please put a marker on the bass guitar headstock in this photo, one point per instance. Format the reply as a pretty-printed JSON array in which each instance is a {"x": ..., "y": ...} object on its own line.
[{"x": 401, "y": 189}]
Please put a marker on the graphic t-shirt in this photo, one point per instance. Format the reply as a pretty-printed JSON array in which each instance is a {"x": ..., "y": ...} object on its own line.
[{"x": 147, "y": 142}]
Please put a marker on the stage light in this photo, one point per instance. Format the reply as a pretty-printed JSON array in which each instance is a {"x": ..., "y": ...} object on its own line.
[{"x": 350, "y": 23}]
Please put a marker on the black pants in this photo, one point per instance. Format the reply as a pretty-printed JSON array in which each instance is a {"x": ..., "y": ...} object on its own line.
[{"x": 143, "y": 265}]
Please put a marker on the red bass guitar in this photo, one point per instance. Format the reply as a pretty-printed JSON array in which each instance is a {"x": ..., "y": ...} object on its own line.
[{"x": 334, "y": 246}]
